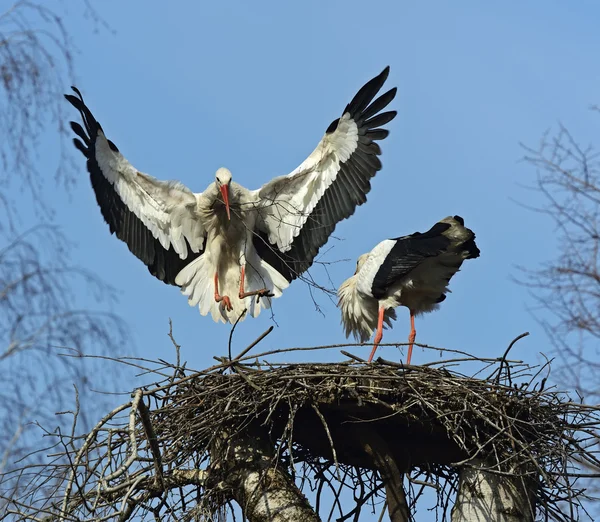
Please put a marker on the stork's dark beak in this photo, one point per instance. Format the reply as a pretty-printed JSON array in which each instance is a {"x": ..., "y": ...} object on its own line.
[{"x": 225, "y": 195}]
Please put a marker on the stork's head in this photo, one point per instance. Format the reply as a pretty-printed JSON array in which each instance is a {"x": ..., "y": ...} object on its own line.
[
  {"x": 361, "y": 262},
  {"x": 223, "y": 179}
]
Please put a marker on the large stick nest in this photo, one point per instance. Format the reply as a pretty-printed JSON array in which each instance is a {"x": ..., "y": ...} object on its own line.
[{"x": 159, "y": 459}]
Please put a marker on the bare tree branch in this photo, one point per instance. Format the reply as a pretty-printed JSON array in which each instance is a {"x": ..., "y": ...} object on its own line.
[
  {"x": 41, "y": 314},
  {"x": 568, "y": 285}
]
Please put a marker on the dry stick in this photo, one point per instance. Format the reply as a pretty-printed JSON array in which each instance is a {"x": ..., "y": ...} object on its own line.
[
  {"x": 237, "y": 370},
  {"x": 177, "y": 347},
  {"x": 153, "y": 441},
  {"x": 503, "y": 359},
  {"x": 132, "y": 440},
  {"x": 471, "y": 359},
  {"x": 333, "y": 452},
  {"x": 361, "y": 501},
  {"x": 88, "y": 440},
  {"x": 394, "y": 364},
  {"x": 352, "y": 356},
  {"x": 125, "y": 514},
  {"x": 233, "y": 330},
  {"x": 254, "y": 343},
  {"x": 236, "y": 367},
  {"x": 336, "y": 495}
]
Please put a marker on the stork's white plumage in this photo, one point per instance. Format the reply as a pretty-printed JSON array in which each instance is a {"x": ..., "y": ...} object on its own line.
[
  {"x": 412, "y": 271},
  {"x": 230, "y": 248}
]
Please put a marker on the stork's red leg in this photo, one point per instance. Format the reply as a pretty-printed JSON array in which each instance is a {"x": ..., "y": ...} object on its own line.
[
  {"x": 219, "y": 298},
  {"x": 264, "y": 292},
  {"x": 411, "y": 336},
  {"x": 379, "y": 334}
]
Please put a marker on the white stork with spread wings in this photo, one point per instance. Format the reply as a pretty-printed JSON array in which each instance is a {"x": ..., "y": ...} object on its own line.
[
  {"x": 412, "y": 271},
  {"x": 230, "y": 248}
]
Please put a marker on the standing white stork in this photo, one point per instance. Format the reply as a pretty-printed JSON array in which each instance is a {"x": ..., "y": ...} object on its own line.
[
  {"x": 412, "y": 271},
  {"x": 228, "y": 247}
]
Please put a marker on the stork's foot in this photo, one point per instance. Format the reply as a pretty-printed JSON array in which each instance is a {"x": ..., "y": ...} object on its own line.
[
  {"x": 225, "y": 300},
  {"x": 264, "y": 292}
]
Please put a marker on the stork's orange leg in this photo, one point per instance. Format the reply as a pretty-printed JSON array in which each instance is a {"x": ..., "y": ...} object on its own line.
[
  {"x": 379, "y": 334},
  {"x": 264, "y": 292},
  {"x": 411, "y": 336},
  {"x": 219, "y": 298}
]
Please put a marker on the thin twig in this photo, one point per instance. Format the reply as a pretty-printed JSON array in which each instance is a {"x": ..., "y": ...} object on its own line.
[{"x": 505, "y": 355}]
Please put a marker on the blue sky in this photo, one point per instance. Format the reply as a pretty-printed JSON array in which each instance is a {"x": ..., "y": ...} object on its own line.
[{"x": 185, "y": 89}]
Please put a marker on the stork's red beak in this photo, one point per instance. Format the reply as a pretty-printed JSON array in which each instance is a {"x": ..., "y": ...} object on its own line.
[{"x": 225, "y": 194}]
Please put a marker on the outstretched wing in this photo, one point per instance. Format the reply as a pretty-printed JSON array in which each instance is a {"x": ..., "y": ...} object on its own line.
[
  {"x": 298, "y": 212},
  {"x": 157, "y": 219}
]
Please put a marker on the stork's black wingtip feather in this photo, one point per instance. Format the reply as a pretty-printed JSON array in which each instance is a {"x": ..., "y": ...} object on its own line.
[
  {"x": 77, "y": 91},
  {"x": 383, "y": 75},
  {"x": 81, "y": 147},
  {"x": 72, "y": 100}
]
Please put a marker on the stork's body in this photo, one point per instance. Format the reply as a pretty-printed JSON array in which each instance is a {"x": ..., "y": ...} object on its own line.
[
  {"x": 231, "y": 249},
  {"x": 411, "y": 271}
]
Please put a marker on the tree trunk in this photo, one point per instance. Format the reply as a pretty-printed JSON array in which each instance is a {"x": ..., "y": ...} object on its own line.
[
  {"x": 264, "y": 492},
  {"x": 487, "y": 497},
  {"x": 376, "y": 447}
]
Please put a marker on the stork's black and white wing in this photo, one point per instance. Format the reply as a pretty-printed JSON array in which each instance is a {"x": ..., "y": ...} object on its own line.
[
  {"x": 156, "y": 219},
  {"x": 397, "y": 258},
  {"x": 298, "y": 212}
]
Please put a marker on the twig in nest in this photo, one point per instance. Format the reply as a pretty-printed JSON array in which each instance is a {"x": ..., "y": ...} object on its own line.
[
  {"x": 503, "y": 359},
  {"x": 177, "y": 347},
  {"x": 232, "y": 362},
  {"x": 152, "y": 441},
  {"x": 233, "y": 330},
  {"x": 132, "y": 439},
  {"x": 352, "y": 356},
  {"x": 326, "y": 427},
  {"x": 253, "y": 343},
  {"x": 394, "y": 364}
]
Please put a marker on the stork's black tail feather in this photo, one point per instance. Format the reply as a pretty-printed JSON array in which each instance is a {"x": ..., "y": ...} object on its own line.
[
  {"x": 471, "y": 248},
  {"x": 469, "y": 245}
]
